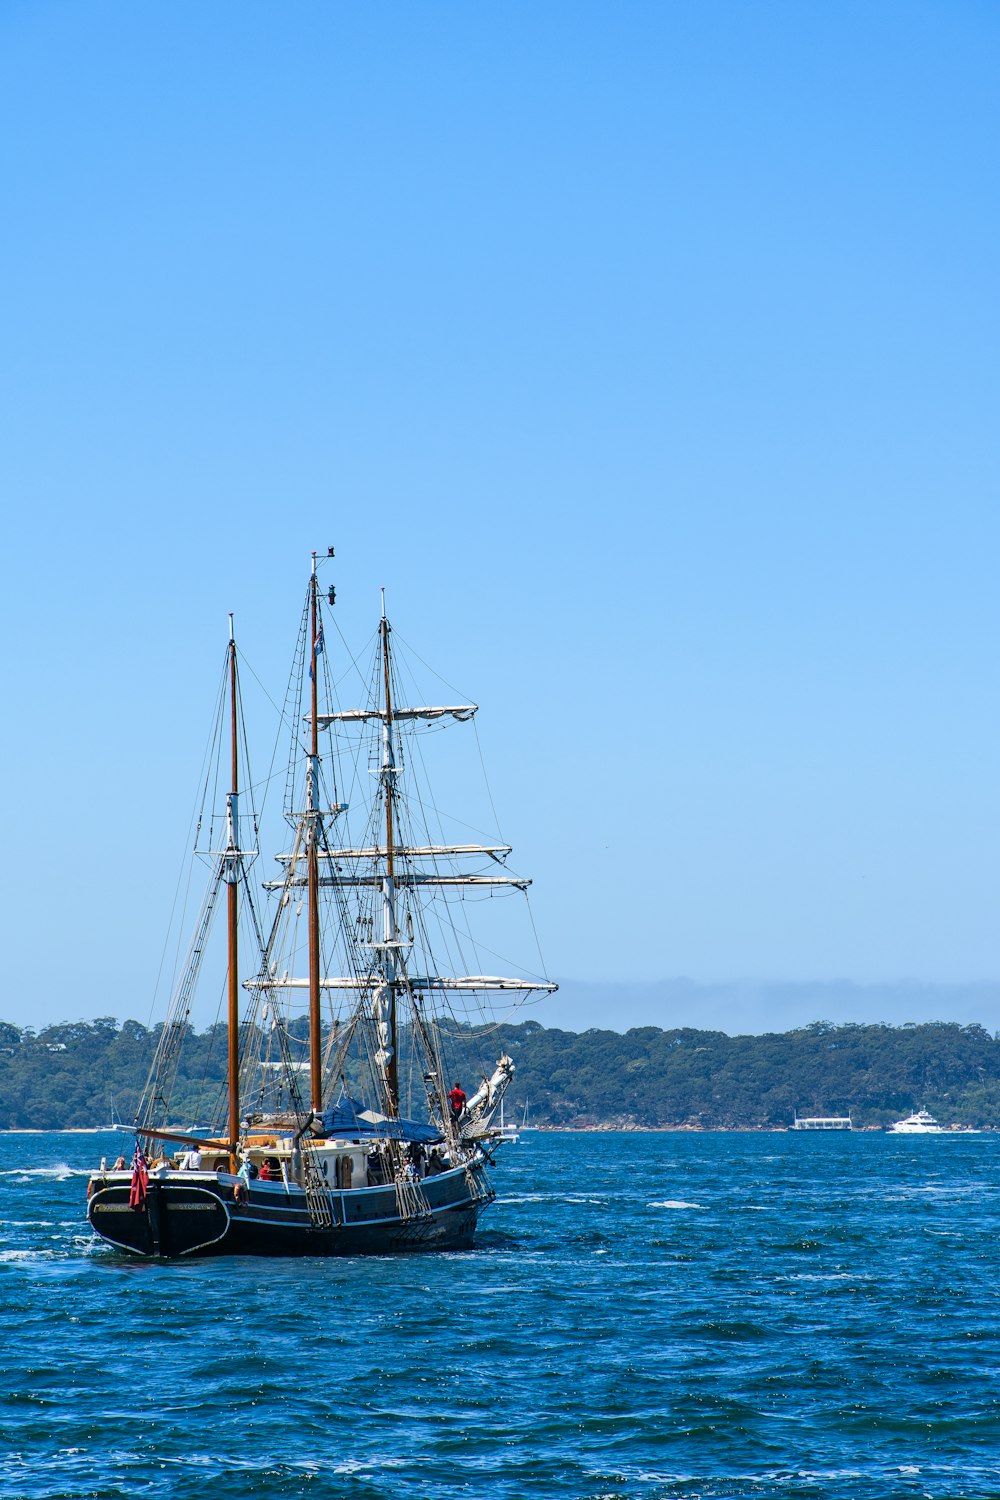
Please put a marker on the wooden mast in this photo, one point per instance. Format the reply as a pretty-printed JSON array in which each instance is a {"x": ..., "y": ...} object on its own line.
[
  {"x": 232, "y": 877},
  {"x": 391, "y": 1066},
  {"x": 312, "y": 862}
]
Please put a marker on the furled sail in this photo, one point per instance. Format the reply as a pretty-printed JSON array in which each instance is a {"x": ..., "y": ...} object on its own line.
[
  {"x": 466, "y": 982},
  {"x": 405, "y": 851},
  {"x": 460, "y": 711},
  {"x": 403, "y": 879}
]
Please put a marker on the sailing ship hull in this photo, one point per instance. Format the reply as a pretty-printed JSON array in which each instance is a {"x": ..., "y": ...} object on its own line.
[{"x": 186, "y": 1214}]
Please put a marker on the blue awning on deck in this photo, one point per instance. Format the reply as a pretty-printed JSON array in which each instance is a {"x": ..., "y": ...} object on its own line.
[{"x": 349, "y": 1121}]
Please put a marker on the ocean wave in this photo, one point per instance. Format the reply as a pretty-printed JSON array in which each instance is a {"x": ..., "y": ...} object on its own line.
[
  {"x": 599, "y": 1341},
  {"x": 60, "y": 1172}
]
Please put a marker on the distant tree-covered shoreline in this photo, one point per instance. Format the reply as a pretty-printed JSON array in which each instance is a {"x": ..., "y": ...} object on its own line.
[{"x": 70, "y": 1076}]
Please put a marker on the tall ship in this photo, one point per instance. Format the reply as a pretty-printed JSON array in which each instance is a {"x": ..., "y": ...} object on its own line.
[{"x": 342, "y": 1127}]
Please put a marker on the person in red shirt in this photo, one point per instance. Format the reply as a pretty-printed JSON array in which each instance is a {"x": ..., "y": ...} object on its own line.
[{"x": 456, "y": 1100}]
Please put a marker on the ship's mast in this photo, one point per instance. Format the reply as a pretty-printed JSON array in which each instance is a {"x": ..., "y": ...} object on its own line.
[
  {"x": 389, "y": 931},
  {"x": 312, "y": 864},
  {"x": 382, "y": 868},
  {"x": 232, "y": 875}
]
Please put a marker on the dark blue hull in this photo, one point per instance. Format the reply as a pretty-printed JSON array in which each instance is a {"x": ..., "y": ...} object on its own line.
[{"x": 198, "y": 1214}]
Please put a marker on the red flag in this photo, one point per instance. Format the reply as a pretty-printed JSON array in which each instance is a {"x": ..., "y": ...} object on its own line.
[{"x": 140, "y": 1179}]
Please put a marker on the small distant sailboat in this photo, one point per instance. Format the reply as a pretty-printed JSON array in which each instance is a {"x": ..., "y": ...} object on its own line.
[
  {"x": 505, "y": 1132},
  {"x": 117, "y": 1124}
]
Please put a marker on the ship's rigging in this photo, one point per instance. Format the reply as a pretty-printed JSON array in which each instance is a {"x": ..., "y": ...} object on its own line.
[{"x": 377, "y": 917}]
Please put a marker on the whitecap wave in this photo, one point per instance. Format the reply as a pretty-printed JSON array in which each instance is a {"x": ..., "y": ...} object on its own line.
[
  {"x": 674, "y": 1203},
  {"x": 60, "y": 1172}
]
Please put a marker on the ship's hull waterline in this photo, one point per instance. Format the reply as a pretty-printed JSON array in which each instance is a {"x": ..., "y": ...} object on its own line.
[{"x": 194, "y": 1214}]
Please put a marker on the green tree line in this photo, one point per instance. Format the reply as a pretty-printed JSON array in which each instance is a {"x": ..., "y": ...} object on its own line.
[{"x": 72, "y": 1076}]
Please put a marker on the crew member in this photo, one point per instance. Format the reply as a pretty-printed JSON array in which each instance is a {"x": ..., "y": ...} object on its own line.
[{"x": 456, "y": 1101}]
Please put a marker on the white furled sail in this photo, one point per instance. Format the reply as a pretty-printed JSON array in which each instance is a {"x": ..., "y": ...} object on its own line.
[
  {"x": 468, "y": 983},
  {"x": 403, "y": 879},
  {"x": 461, "y": 711},
  {"x": 403, "y": 851}
]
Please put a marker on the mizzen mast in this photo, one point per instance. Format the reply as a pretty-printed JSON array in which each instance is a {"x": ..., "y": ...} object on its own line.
[{"x": 231, "y": 874}]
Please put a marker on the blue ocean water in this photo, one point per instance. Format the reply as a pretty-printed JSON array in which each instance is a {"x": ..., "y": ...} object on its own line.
[{"x": 644, "y": 1316}]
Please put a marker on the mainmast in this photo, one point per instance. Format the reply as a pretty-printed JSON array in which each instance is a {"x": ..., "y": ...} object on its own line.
[
  {"x": 387, "y": 1027},
  {"x": 232, "y": 875},
  {"x": 389, "y": 862},
  {"x": 312, "y": 861}
]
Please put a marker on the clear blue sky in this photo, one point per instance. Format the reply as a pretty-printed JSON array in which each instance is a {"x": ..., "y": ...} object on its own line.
[{"x": 647, "y": 353}]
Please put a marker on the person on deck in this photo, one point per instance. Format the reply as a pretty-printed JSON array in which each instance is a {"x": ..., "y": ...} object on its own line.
[
  {"x": 415, "y": 1155},
  {"x": 456, "y": 1101}
]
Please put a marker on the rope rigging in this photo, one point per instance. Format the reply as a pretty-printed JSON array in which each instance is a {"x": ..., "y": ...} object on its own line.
[{"x": 382, "y": 938}]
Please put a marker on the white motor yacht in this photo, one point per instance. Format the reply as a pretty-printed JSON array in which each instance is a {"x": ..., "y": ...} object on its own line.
[{"x": 919, "y": 1123}]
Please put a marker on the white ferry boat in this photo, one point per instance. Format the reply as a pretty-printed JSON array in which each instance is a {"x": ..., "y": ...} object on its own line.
[{"x": 822, "y": 1122}]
